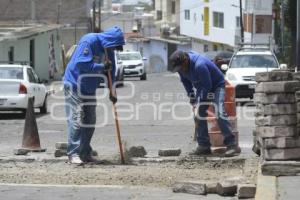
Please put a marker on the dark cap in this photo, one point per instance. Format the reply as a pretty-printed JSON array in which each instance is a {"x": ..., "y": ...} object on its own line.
[{"x": 176, "y": 60}]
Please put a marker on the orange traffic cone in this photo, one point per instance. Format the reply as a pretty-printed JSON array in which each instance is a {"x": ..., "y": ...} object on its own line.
[{"x": 31, "y": 139}]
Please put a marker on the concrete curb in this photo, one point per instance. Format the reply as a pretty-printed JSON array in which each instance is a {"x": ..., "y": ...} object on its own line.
[{"x": 266, "y": 186}]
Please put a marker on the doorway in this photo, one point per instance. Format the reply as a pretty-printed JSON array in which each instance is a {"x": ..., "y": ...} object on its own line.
[{"x": 32, "y": 53}]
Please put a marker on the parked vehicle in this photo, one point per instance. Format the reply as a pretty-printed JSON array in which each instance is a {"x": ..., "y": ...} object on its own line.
[
  {"x": 133, "y": 64},
  {"x": 18, "y": 83},
  {"x": 245, "y": 63},
  {"x": 219, "y": 57}
]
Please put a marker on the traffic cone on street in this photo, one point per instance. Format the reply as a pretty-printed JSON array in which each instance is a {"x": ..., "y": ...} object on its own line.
[{"x": 31, "y": 139}]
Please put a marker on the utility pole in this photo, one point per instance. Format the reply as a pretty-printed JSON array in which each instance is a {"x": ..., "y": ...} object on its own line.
[
  {"x": 99, "y": 16},
  {"x": 282, "y": 27},
  {"x": 58, "y": 12},
  {"x": 33, "y": 16},
  {"x": 298, "y": 37},
  {"x": 94, "y": 17},
  {"x": 241, "y": 21}
]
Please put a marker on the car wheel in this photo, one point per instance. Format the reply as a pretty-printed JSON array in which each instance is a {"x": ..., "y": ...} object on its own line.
[
  {"x": 44, "y": 108},
  {"x": 144, "y": 77},
  {"x": 120, "y": 79}
]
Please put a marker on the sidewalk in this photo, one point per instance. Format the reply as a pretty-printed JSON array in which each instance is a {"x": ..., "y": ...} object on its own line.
[
  {"x": 288, "y": 188},
  {"x": 277, "y": 188}
]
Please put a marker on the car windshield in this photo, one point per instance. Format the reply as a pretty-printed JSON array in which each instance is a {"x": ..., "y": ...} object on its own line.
[
  {"x": 254, "y": 61},
  {"x": 129, "y": 56},
  {"x": 11, "y": 73}
]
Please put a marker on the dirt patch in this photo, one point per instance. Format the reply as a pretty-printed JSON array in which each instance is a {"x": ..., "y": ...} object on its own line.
[{"x": 146, "y": 174}]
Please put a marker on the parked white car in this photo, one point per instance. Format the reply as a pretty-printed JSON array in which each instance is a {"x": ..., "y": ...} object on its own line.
[
  {"x": 17, "y": 84},
  {"x": 243, "y": 66},
  {"x": 133, "y": 64}
]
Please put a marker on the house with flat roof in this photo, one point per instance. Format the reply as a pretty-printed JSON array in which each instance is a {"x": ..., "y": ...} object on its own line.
[{"x": 38, "y": 45}]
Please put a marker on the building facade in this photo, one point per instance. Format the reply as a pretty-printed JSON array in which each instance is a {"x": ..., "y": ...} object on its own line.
[
  {"x": 215, "y": 24},
  {"x": 37, "y": 45}
]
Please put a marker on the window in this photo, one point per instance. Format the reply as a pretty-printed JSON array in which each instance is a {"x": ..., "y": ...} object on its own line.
[
  {"x": 253, "y": 61},
  {"x": 158, "y": 15},
  {"x": 218, "y": 18},
  {"x": 173, "y": 7},
  {"x": 11, "y": 55},
  {"x": 31, "y": 77},
  {"x": 187, "y": 14},
  {"x": 205, "y": 48},
  {"x": 11, "y": 73},
  {"x": 215, "y": 47},
  {"x": 263, "y": 23},
  {"x": 237, "y": 22}
]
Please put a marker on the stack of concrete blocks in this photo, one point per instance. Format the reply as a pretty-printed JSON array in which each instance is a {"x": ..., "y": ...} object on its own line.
[{"x": 276, "y": 116}]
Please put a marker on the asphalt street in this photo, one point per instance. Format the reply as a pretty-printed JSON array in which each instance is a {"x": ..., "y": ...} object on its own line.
[
  {"x": 48, "y": 192},
  {"x": 153, "y": 113}
]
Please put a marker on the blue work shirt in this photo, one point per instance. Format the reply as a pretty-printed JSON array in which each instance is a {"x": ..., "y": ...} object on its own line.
[
  {"x": 87, "y": 60},
  {"x": 203, "y": 76}
]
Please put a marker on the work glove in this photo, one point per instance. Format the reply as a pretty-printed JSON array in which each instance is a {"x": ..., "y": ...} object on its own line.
[
  {"x": 107, "y": 66},
  {"x": 113, "y": 98}
]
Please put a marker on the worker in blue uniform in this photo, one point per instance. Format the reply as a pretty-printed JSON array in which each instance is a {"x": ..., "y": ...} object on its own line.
[
  {"x": 82, "y": 77},
  {"x": 204, "y": 82}
]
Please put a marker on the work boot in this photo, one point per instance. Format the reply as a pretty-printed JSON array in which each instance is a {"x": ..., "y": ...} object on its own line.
[
  {"x": 75, "y": 159},
  {"x": 231, "y": 151},
  {"x": 92, "y": 159},
  {"x": 201, "y": 151}
]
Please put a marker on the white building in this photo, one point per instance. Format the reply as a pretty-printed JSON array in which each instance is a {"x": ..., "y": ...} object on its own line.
[
  {"x": 168, "y": 13},
  {"x": 215, "y": 24},
  {"x": 37, "y": 45}
]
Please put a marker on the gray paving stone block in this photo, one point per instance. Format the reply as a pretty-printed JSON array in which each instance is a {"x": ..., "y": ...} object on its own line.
[
  {"x": 282, "y": 154},
  {"x": 211, "y": 188},
  {"x": 256, "y": 145},
  {"x": 296, "y": 76},
  {"x": 276, "y": 131},
  {"x": 21, "y": 151},
  {"x": 281, "y": 142},
  {"x": 61, "y": 145},
  {"x": 273, "y": 76},
  {"x": 276, "y": 109},
  {"x": 169, "y": 152},
  {"x": 298, "y": 118},
  {"x": 190, "y": 188},
  {"x": 246, "y": 191},
  {"x": 280, "y": 168},
  {"x": 297, "y": 95},
  {"x": 137, "y": 151},
  {"x": 60, "y": 152},
  {"x": 276, "y": 120},
  {"x": 280, "y": 98},
  {"x": 277, "y": 87},
  {"x": 298, "y": 107},
  {"x": 227, "y": 188}
]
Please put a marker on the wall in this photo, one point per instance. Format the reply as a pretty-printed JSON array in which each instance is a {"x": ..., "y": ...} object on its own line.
[
  {"x": 195, "y": 26},
  {"x": 21, "y": 52},
  {"x": 46, "y": 10},
  {"x": 156, "y": 53}
]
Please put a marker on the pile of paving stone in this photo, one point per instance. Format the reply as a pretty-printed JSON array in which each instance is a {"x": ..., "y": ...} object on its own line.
[{"x": 276, "y": 135}]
